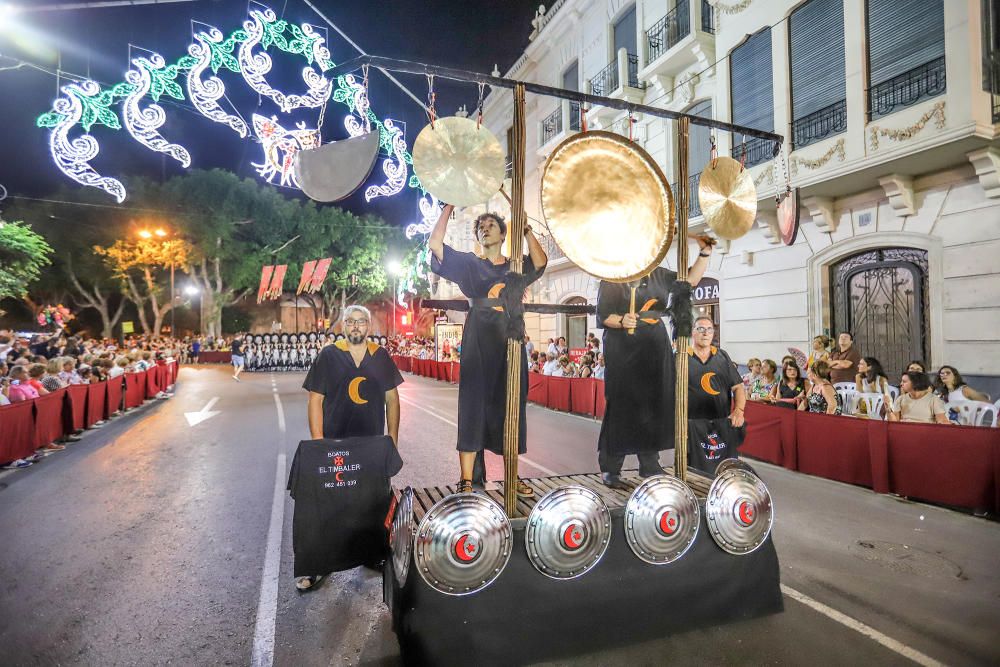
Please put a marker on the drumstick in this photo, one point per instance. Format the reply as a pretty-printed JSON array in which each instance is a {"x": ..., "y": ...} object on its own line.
[{"x": 631, "y": 309}]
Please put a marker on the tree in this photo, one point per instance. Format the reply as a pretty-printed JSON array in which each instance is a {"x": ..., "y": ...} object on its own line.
[
  {"x": 144, "y": 258},
  {"x": 23, "y": 255}
]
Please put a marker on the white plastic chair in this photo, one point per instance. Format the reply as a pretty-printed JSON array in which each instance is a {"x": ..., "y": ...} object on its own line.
[
  {"x": 893, "y": 392},
  {"x": 873, "y": 403},
  {"x": 844, "y": 386},
  {"x": 848, "y": 399},
  {"x": 996, "y": 412},
  {"x": 974, "y": 413}
]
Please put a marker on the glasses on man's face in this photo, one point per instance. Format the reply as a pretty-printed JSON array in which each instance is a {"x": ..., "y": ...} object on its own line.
[
  {"x": 356, "y": 323},
  {"x": 704, "y": 330}
]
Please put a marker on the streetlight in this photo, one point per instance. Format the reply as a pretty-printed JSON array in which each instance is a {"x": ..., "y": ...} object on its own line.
[
  {"x": 192, "y": 290},
  {"x": 395, "y": 270}
]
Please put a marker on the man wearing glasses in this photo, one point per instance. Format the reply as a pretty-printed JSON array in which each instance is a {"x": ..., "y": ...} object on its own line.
[
  {"x": 714, "y": 388},
  {"x": 639, "y": 372}
]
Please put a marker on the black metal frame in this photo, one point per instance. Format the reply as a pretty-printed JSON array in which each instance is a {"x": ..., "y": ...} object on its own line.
[
  {"x": 818, "y": 125},
  {"x": 906, "y": 89},
  {"x": 410, "y": 67},
  {"x": 669, "y": 30}
]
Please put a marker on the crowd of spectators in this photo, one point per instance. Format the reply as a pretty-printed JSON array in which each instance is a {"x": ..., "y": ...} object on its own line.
[
  {"x": 555, "y": 359},
  {"x": 833, "y": 373},
  {"x": 37, "y": 364}
]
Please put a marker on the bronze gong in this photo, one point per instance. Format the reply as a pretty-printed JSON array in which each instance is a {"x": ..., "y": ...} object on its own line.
[
  {"x": 728, "y": 198},
  {"x": 458, "y": 161},
  {"x": 608, "y": 206}
]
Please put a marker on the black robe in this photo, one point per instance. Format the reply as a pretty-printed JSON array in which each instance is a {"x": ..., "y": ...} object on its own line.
[
  {"x": 639, "y": 368},
  {"x": 482, "y": 386}
]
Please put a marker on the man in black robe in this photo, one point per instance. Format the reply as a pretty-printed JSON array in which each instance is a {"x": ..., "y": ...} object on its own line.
[
  {"x": 639, "y": 370},
  {"x": 482, "y": 387}
]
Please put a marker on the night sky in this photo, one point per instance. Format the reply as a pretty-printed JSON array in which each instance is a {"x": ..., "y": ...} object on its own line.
[{"x": 469, "y": 35}]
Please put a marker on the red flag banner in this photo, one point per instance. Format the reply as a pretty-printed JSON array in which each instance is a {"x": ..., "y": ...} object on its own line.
[
  {"x": 265, "y": 280},
  {"x": 319, "y": 275},
  {"x": 307, "y": 274},
  {"x": 277, "y": 281}
]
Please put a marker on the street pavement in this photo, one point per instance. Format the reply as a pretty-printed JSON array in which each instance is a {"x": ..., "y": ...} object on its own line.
[{"x": 154, "y": 541}]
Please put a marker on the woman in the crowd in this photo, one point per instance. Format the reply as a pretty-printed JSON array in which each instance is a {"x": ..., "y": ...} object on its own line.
[
  {"x": 952, "y": 387},
  {"x": 586, "y": 369},
  {"x": 753, "y": 373},
  {"x": 916, "y": 366},
  {"x": 871, "y": 379},
  {"x": 35, "y": 374},
  {"x": 820, "y": 350},
  {"x": 792, "y": 389},
  {"x": 119, "y": 368},
  {"x": 917, "y": 402},
  {"x": 51, "y": 380},
  {"x": 69, "y": 374},
  {"x": 563, "y": 369},
  {"x": 821, "y": 397},
  {"x": 561, "y": 344},
  {"x": 764, "y": 385}
]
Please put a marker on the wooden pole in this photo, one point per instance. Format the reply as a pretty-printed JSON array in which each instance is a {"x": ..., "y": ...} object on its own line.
[
  {"x": 681, "y": 398},
  {"x": 515, "y": 234}
]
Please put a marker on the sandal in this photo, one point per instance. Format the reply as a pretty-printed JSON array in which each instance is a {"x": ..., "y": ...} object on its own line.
[
  {"x": 464, "y": 486},
  {"x": 524, "y": 490}
]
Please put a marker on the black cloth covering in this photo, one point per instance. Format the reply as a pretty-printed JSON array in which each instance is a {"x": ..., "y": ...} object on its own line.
[
  {"x": 335, "y": 375},
  {"x": 482, "y": 387},
  {"x": 711, "y": 436},
  {"x": 639, "y": 377},
  {"x": 342, "y": 495}
]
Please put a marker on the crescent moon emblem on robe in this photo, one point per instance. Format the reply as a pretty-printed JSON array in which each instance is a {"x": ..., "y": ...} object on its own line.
[
  {"x": 464, "y": 553},
  {"x": 494, "y": 293},
  {"x": 646, "y": 306},
  {"x": 706, "y": 384},
  {"x": 339, "y": 477},
  {"x": 352, "y": 390},
  {"x": 573, "y": 536}
]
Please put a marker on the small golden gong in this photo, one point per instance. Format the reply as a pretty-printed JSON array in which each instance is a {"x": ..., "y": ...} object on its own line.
[
  {"x": 459, "y": 161},
  {"x": 727, "y": 197},
  {"x": 608, "y": 206}
]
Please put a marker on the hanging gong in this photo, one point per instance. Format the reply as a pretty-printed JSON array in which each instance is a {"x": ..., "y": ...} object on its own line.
[
  {"x": 788, "y": 216},
  {"x": 608, "y": 206},
  {"x": 459, "y": 161},
  {"x": 727, "y": 197},
  {"x": 739, "y": 511},
  {"x": 333, "y": 171}
]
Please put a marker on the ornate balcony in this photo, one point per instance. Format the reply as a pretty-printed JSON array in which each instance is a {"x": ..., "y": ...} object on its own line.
[
  {"x": 819, "y": 125},
  {"x": 758, "y": 151},
  {"x": 707, "y": 18},
  {"x": 551, "y": 126},
  {"x": 907, "y": 89},
  {"x": 694, "y": 206},
  {"x": 993, "y": 83},
  {"x": 608, "y": 82},
  {"x": 605, "y": 82},
  {"x": 669, "y": 30},
  {"x": 682, "y": 38},
  {"x": 555, "y": 127}
]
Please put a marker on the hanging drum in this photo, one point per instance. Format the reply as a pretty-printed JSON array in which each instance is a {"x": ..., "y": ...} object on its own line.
[
  {"x": 459, "y": 161},
  {"x": 788, "y": 216},
  {"x": 401, "y": 536},
  {"x": 608, "y": 206},
  {"x": 568, "y": 532},
  {"x": 733, "y": 463},
  {"x": 463, "y": 544},
  {"x": 739, "y": 511},
  {"x": 727, "y": 197},
  {"x": 661, "y": 519},
  {"x": 334, "y": 171}
]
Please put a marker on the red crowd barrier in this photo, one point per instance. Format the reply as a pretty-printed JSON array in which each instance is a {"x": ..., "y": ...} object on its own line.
[
  {"x": 115, "y": 392},
  {"x": 947, "y": 464},
  {"x": 17, "y": 430},
  {"x": 48, "y": 417},
  {"x": 446, "y": 371},
  {"x": 97, "y": 398},
  {"x": 214, "y": 357},
  {"x": 76, "y": 404},
  {"x": 135, "y": 389}
]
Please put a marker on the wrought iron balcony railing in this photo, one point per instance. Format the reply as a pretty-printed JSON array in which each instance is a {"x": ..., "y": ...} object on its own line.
[
  {"x": 694, "y": 206},
  {"x": 818, "y": 125},
  {"x": 993, "y": 83},
  {"x": 552, "y": 125},
  {"x": 633, "y": 72},
  {"x": 606, "y": 81},
  {"x": 927, "y": 80},
  {"x": 574, "y": 116},
  {"x": 552, "y": 250},
  {"x": 757, "y": 150},
  {"x": 707, "y": 18},
  {"x": 669, "y": 30}
]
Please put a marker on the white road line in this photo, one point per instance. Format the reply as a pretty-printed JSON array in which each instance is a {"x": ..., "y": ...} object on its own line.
[
  {"x": 281, "y": 412},
  {"x": 267, "y": 607},
  {"x": 521, "y": 459},
  {"x": 868, "y": 631}
]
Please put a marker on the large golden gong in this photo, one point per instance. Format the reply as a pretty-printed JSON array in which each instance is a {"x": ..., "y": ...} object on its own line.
[{"x": 608, "y": 206}]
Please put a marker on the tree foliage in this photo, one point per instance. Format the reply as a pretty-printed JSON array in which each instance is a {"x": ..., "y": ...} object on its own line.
[{"x": 23, "y": 255}]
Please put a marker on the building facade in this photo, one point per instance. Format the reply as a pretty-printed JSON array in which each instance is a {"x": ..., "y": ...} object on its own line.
[{"x": 891, "y": 113}]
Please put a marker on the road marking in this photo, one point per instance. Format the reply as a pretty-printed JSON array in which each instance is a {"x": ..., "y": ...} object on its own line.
[
  {"x": 868, "y": 631},
  {"x": 521, "y": 459},
  {"x": 267, "y": 607},
  {"x": 195, "y": 418},
  {"x": 281, "y": 412}
]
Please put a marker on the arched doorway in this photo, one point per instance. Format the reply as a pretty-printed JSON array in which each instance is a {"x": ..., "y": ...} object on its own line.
[
  {"x": 576, "y": 325},
  {"x": 881, "y": 296}
]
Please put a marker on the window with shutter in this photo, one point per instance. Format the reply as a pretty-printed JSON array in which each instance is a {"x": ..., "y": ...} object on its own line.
[
  {"x": 816, "y": 50},
  {"x": 905, "y": 53},
  {"x": 752, "y": 95}
]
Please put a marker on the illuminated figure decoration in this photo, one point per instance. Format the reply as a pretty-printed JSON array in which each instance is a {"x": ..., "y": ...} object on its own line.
[
  {"x": 205, "y": 94},
  {"x": 265, "y": 29},
  {"x": 430, "y": 211},
  {"x": 151, "y": 78},
  {"x": 280, "y": 146},
  {"x": 88, "y": 104},
  {"x": 417, "y": 276}
]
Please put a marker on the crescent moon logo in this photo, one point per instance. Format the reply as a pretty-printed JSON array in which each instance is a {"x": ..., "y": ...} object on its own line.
[
  {"x": 648, "y": 306},
  {"x": 340, "y": 477},
  {"x": 667, "y": 523},
  {"x": 746, "y": 513},
  {"x": 467, "y": 548},
  {"x": 706, "y": 384},
  {"x": 573, "y": 536},
  {"x": 494, "y": 293},
  {"x": 353, "y": 390}
]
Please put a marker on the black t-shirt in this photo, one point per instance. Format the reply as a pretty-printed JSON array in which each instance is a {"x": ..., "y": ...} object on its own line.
[
  {"x": 710, "y": 383},
  {"x": 342, "y": 495},
  {"x": 237, "y": 348},
  {"x": 354, "y": 396}
]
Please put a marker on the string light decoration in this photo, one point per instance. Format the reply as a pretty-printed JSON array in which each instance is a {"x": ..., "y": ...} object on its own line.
[
  {"x": 430, "y": 211},
  {"x": 150, "y": 77},
  {"x": 416, "y": 280},
  {"x": 87, "y": 104},
  {"x": 280, "y": 146}
]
